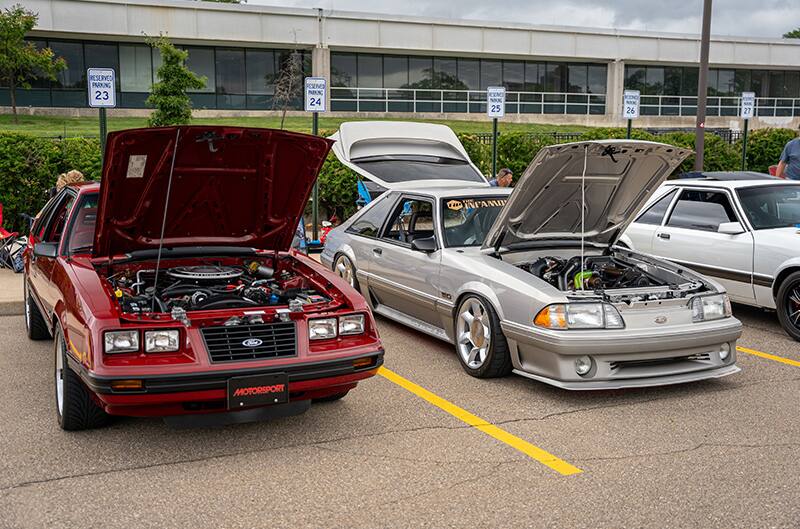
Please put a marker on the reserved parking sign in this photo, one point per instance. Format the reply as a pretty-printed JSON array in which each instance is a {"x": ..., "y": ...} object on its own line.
[
  {"x": 102, "y": 85},
  {"x": 315, "y": 94},
  {"x": 495, "y": 101}
]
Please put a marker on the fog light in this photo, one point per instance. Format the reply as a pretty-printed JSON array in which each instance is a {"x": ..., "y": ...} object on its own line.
[
  {"x": 583, "y": 364},
  {"x": 724, "y": 351}
]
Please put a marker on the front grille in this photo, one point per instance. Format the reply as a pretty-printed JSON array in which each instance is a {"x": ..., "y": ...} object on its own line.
[
  {"x": 229, "y": 343},
  {"x": 658, "y": 361}
]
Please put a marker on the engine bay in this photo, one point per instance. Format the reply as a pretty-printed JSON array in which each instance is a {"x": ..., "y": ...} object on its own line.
[
  {"x": 211, "y": 286},
  {"x": 605, "y": 274}
]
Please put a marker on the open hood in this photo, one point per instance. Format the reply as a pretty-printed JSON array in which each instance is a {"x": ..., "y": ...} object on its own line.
[
  {"x": 619, "y": 177},
  {"x": 230, "y": 186},
  {"x": 396, "y": 154}
]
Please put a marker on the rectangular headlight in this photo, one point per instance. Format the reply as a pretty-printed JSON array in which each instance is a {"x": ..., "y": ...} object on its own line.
[
  {"x": 161, "y": 341},
  {"x": 708, "y": 308},
  {"x": 351, "y": 324},
  {"x": 121, "y": 341},
  {"x": 585, "y": 316},
  {"x": 322, "y": 328}
]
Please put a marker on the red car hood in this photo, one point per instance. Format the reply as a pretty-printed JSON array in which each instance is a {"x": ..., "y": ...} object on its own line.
[{"x": 230, "y": 186}]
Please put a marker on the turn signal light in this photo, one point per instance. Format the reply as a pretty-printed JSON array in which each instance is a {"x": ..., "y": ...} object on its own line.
[
  {"x": 362, "y": 362},
  {"x": 127, "y": 385},
  {"x": 552, "y": 317}
]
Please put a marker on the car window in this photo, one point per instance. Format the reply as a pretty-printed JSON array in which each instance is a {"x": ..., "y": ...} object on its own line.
[
  {"x": 771, "y": 206},
  {"x": 655, "y": 213},
  {"x": 55, "y": 226},
  {"x": 44, "y": 215},
  {"x": 411, "y": 219},
  {"x": 370, "y": 222},
  {"x": 81, "y": 232},
  {"x": 701, "y": 210},
  {"x": 466, "y": 221},
  {"x": 400, "y": 168}
]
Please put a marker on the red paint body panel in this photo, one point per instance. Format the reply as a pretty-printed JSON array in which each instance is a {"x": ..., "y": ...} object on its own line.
[{"x": 71, "y": 290}]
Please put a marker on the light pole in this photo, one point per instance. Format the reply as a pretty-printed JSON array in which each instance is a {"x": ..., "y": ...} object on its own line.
[{"x": 702, "y": 88}]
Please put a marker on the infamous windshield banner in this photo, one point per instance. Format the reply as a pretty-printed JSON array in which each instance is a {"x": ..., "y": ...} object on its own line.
[{"x": 476, "y": 203}]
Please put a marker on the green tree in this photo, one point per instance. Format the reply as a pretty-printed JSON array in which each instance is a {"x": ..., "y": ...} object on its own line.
[
  {"x": 794, "y": 34},
  {"x": 168, "y": 96},
  {"x": 20, "y": 61}
]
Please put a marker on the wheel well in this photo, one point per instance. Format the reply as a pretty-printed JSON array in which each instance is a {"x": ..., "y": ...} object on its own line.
[
  {"x": 781, "y": 276},
  {"x": 460, "y": 298}
]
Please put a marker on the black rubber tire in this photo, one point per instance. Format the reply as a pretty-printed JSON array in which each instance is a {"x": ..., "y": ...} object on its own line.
[
  {"x": 332, "y": 398},
  {"x": 790, "y": 285},
  {"x": 79, "y": 410},
  {"x": 498, "y": 361},
  {"x": 35, "y": 325},
  {"x": 352, "y": 265}
]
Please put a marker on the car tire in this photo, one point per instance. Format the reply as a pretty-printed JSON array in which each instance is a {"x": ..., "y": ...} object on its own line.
[
  {"x": 480, "y": 344},
  {"x": 344, "y": 268},
  {"x": 788, "y": 303},
  {"x": 35, "y": 325},
  {"x": 332, "y": 398},
  {"x": 75, "y": 409}
]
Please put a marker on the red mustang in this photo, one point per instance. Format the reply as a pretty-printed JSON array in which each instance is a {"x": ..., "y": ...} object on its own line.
[{"x": 170, "y": 289}]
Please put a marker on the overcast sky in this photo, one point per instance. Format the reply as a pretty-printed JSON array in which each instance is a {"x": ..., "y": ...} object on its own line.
[{"x": 757, "y": 18}]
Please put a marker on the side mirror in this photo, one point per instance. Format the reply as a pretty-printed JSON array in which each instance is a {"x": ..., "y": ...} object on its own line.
[
  {"x": 730, "y": 228},
  {"x": 426, "y": 245},
  {"x": 45, "y": 249}
]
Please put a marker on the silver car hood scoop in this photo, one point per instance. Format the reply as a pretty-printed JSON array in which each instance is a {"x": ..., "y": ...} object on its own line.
[{"x": 617, "y": 177}]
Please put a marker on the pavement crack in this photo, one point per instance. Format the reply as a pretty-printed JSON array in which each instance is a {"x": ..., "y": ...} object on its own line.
[{"x": 690, "y": 449}]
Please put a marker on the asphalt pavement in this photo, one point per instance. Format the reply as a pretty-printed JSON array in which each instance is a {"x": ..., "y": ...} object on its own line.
[{"x": 445, "y": 450}]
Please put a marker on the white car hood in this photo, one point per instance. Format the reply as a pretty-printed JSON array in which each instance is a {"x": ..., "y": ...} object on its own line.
[
  {"x": 619, "y": 177},
  {"x": 380, "y": 151}
]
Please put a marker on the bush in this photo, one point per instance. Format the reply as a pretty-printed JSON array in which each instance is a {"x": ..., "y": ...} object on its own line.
[
  {"x": 516, "y": 150},
  {"x": 478, "y": 152},
  {"x": 619, "y": 133},
  {"x": 337, "y": 189},
  {"x": 719, "y": 155},
  {"x": 764, "y": 147}
]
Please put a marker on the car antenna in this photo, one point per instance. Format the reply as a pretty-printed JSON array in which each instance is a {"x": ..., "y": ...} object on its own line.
[
  {"x": 583, "y": 208},
  {"x": 164, "y": 218}
]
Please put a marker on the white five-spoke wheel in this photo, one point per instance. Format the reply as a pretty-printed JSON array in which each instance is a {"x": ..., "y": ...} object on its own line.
[
  {"x": 59, "y": 372},
  {"x": 481, "y": 346},
  {"x": 344, "y": 268},
  {"x": 474, "y": 334}
]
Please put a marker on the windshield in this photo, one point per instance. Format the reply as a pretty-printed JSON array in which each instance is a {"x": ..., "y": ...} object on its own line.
[
  {"x": 466, "y": 221},
  {"x": 400, "y": 168},
  {"x": 771, "y": 206},
  {"x": 81, "y": 232}
]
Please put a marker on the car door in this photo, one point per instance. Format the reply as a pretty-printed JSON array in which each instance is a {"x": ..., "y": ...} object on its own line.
[
  {"x": 643, "y": 230},
  {"x": 365, "y": 230},
  {"x": 690, "y": 236},
  {"x": 47, "y": 228},
  {"x": 400, "y": 278}
]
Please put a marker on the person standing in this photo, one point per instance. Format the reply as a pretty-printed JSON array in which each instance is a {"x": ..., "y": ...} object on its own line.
[
  {"x": 504, "y": 178},
  {"x": 789, "y": 166}
]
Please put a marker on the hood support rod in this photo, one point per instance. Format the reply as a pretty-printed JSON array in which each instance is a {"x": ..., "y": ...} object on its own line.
[{"x": 164, "y": 218}]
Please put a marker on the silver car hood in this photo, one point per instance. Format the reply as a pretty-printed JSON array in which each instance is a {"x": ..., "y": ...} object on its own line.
[{"x": 619, "y": 177}]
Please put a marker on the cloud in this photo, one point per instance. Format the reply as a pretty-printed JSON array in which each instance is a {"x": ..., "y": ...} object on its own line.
[{"x": 766, "y": 18}]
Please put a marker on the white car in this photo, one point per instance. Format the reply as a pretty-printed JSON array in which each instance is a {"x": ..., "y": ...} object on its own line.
[{"x": 742, "y": 230}]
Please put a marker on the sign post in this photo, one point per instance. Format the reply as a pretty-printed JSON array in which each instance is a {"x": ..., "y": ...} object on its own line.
[
  {"x": 102, "y": 86},
  {"x": 630, "y": 108},
  {"x": 315, "y": 102},
  {"x": 746, "y": 112},
  {"x": 495, "y": 109}
]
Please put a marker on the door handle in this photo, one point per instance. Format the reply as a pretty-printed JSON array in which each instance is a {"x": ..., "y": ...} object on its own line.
[
  {"x": 663, "y": 236},
  {"x": 377, "y": 251}
]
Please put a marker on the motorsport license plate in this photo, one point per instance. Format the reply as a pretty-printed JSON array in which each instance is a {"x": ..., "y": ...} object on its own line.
[{"x": 257, "y": 390}]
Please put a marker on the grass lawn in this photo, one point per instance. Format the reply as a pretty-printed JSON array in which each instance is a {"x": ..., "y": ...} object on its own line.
[{"x": 68, "y": 126}]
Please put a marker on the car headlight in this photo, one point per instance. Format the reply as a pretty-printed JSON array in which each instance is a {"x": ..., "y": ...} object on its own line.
[
  {"x": 714, "y": 307},
  {"x": 121, "y": 341},
  {"x": 351, "y": 324},
  {"x": 322, "y": 328},
  {"x": 161, "y": 341},
  {"x": 579, "y": 316}
]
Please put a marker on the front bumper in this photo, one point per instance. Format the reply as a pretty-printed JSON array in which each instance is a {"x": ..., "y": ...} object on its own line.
[
  {"x": 204, "y": 392},
  {"x": 624, "y": 359}
]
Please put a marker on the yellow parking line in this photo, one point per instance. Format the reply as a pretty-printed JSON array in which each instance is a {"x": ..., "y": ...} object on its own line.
[
  {"x": 542, "y": 456},
  {"x": 768, "y": 356}
]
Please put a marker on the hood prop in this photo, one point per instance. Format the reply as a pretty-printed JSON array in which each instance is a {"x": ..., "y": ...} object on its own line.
[
  {"x": 583, "y": 204},
  {"x": 164, "y": 218}
]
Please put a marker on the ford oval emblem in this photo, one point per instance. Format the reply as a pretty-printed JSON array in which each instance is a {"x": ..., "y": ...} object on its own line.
[
  {"x": 661, "y": 319},
  {"x": 252, "y": 342}
]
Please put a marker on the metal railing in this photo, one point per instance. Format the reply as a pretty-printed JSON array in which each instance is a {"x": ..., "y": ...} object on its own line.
[
  {"x": 730, "y": 136},
  {"x": 461, "y": 101},
  {"x": 665, "y": 105}
]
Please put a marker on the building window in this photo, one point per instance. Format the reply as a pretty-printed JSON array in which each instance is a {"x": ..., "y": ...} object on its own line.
[
  {"x": 598, "y": 78},
  {"x": 395, "y": 71},
  {"x": 136, "y": 68},
  {"x": 74, "y": 75},
  {"x": 370, "y": 71},
  {"x": 534, "y": 74},
  {"x": 491, "y": 73},
  {"x": 514, "y": 76},
  {"x": 420, "y": 72},
  {"x": 230, "y": 71},
  {"x": 445, "y": 74},
  {"x": 260, "y": 67},
  {"x": 577, "y": 78},
  {"x": 469, "y": 73},
  {"x": 201, "y": 62},
  {"x": 344, "y": 70}
]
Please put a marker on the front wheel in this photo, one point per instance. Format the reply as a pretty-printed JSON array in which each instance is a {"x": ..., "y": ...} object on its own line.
[
  {"x": 481, "y": 346},
  {"x": 35, "y": 325},
  {"x": 788, "y": 301},
  {"x": 75, "y": 409},
  {"x": 345, "y": 269}
]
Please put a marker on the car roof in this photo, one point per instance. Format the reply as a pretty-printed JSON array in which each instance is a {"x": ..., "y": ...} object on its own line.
[
  {"x": 727, "y": 175},
  {"x": 86, "y": 187},
  {"x": 729, "y": 184}
]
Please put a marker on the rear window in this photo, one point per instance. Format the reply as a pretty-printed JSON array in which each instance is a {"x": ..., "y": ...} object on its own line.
[{"x": 397, "y": 169}]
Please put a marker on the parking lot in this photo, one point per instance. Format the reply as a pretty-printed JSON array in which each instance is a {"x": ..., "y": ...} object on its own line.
[{"x": 423, "y": 445}]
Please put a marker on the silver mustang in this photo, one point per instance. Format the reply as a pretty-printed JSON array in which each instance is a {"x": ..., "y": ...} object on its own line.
[{"x": 527, "y": 280}]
